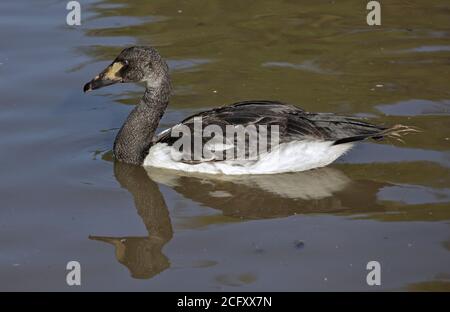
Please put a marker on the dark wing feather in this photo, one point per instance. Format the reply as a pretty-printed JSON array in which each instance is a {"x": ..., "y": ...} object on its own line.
[
  {"x": 287, "y": 117},
  {"x": 294, "y": 123},
  {"x": 343, "y": 129}
]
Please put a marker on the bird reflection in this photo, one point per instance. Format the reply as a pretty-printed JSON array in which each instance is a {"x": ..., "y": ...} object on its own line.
[
  {"x": 143, "y": 256},
  {"x": 325, "y": 190}
]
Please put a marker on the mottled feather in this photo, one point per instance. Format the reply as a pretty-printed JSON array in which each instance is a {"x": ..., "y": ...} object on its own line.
[{"x": 294, "y": 123}]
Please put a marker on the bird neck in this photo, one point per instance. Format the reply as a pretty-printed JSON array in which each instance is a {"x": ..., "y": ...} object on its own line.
[{"x": 136, "y": 135}]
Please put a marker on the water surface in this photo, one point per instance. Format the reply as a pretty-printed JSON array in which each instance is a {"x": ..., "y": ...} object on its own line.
[{"x": 62, "y": 197}]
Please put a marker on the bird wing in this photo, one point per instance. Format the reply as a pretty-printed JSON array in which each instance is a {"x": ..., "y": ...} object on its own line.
[{"x": 293, "y": 123}]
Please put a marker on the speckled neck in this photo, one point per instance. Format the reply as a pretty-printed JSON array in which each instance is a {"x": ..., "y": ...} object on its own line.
[{"x": 135, "y": 137}]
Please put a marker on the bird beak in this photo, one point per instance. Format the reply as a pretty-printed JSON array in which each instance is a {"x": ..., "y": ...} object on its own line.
[{"x": 109, "y": 76}]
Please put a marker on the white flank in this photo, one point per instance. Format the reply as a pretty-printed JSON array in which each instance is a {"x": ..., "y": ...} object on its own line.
[{"x": 287, "y": 157}]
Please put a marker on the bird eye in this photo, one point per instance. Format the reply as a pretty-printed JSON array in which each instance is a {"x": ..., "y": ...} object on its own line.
[{"x": 126, "y": 62}]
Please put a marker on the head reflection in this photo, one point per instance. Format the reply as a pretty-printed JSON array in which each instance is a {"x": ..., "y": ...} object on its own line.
[{"x": 143, "y": 256}]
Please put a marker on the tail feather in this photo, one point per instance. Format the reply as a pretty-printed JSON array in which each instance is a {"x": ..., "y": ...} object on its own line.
[{"x": 394, "y": 132}]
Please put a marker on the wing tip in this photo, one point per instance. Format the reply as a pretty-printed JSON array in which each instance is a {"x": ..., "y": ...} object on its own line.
[{"x": 395, "y": 132}]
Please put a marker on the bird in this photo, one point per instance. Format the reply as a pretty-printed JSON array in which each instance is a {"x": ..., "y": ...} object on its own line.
[{"x": 288, "y": 138}]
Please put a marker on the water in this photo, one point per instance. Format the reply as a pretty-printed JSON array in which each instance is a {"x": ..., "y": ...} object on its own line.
[{"x": 62, "y": 198}]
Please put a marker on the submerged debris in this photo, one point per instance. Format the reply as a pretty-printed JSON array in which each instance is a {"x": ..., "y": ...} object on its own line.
[{"x": 299, "y": 244}]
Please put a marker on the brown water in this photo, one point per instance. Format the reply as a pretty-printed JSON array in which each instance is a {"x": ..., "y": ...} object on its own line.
[{"x": 62, "y": 198}]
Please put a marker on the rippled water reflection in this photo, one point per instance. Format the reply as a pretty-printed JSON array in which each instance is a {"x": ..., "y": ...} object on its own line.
[{"x": 62, "y": 198}]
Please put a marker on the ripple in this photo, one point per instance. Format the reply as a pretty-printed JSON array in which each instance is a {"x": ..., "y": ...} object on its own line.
[
  {"x": 425, "y": 49},
  {"x": 187, "y": 64},
  {"x": 366, "y": 153},
  {"x": 416, "y": 107},
  {"x": 414, "y": 194},
  {"x": 309, "y": 66}
]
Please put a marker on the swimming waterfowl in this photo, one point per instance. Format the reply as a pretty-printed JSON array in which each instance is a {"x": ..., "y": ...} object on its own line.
[{"x": 305, "y": 140}]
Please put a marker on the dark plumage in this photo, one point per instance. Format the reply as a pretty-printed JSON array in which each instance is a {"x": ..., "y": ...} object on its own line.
[{"x": 294, "y": 123}]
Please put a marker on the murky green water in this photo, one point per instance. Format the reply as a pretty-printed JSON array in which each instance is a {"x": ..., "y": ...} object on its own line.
[{"x": 63, "y": 199}]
